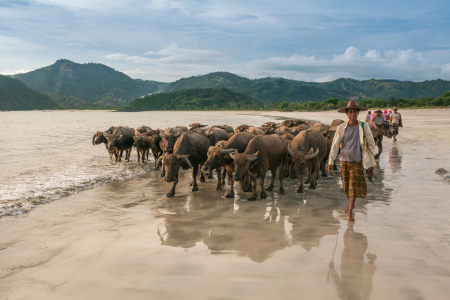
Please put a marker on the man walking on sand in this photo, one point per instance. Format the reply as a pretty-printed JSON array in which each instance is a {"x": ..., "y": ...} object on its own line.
[
  {"x": 357, "y": 146},
  {"x": 396, "y": 121}
]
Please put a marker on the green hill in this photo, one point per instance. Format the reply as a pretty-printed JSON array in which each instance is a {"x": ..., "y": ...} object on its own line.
[
  {"x": 15, "y": 95},
  {"x": 196, "y": 99},
  {"x": 387, "y": 88},
  {"x": 92, "y": 83},
  {"x": 265, "y": 89}
]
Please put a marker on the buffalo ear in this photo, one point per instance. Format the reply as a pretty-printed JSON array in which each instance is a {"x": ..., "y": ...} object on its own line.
[
  {"x": 253, "y": 157},
  {"x": 184, "y": 162}
]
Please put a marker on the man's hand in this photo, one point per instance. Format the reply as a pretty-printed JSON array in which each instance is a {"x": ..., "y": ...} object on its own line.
[{"x": 330, "y": 168}]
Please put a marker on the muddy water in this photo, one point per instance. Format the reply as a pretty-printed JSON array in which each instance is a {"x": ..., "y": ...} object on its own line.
[{"x": 125, "y": 240}]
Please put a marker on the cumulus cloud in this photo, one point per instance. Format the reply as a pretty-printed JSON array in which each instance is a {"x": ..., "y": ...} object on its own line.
[
  {"x": 174, "y": 62},
  {"x": 12, "y": 43}
]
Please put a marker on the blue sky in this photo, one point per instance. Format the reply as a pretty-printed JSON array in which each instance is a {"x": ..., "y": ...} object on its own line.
[{"x": 166, "y": 40}]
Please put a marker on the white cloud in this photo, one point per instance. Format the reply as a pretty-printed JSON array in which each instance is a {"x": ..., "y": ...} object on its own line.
[
  {"x": 13, "y": 72},
  {"x": 174, "y": 62},
  {"x": 12, "y": 43}
]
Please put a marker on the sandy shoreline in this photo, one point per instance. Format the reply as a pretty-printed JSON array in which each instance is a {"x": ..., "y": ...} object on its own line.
[{"x": 125, "y": 240}]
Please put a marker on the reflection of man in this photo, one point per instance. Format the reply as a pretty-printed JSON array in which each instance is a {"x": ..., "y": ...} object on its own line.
[{"x": 356, "y": 277}]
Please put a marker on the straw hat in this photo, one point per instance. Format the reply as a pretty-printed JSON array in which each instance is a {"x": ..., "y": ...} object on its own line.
[
  {"x": 395, "y": 108},
  {"x": 351, "y": 104},
  {"x": 378, "y": 110}
]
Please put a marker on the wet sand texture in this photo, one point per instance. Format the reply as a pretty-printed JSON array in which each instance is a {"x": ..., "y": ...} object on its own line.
[{"x": 126, "y": 240}]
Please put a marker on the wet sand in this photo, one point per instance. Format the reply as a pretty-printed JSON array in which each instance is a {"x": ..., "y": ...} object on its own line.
[{"x": 126, "y": 240}]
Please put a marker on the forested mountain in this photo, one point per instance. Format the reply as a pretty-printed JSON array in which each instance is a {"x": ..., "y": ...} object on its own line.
[
  {"x": 196, "y": 99},
  {"x": 87, "y": 84},
  {"x": 96, "y": 85},
  {"x": 15, "y": 95},
  {"x": 387, "y": 88},
  {"x": 265, "y": 89}
]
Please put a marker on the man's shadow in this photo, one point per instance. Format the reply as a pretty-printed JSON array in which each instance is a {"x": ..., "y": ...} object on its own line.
[{"x": 355, "y": 280}]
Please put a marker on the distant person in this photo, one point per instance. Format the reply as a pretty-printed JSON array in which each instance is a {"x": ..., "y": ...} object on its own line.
[
  {"x": 389, "y": 114},
  {"x": 378, "y": 118},
  {"x": 385, "y": 116},
  {"x": 396, "y": 121},
  {"x": 357, "y": 147},
  {"x": 368, "y": 116}
]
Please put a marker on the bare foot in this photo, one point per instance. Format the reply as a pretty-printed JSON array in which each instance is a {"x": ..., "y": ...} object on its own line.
[{"x": 350, "y": 218}]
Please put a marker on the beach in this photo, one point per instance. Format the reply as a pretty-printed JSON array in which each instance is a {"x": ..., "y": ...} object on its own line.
[{"x": 123, "y": 239}]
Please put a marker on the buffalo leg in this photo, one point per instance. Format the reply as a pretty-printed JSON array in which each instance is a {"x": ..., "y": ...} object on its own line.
[
  {"x": 272, "y": 183},
  {"x": 262, "y": 178},
  {"x": 324, "y": 169},
  {"x": 194, "y": 178},
  {"x": 139, "y": 154},
  {"x": 231, "y": 181},
  {"x": 172, "y": 190},
  {"x": 247, "y": 184},
  {"x": 202, "y": 177},
  {"x": 253, "y": 181},
  {"x": 380, "y": 148},
  {"x": 300, "y": 186},
  {"x": 281, "y": 177},
  {"x": 224, "y": 174},
  {"x": 312, "y": 176},
  {"x": 120, "y": 156},
  {"x": 219, "y": 179}
]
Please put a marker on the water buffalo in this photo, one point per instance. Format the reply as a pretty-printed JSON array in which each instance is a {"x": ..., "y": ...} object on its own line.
[
  {"x": 142, "y": 129},
  {"x": 242, "y": 128},
  {"x": 215, "y": 135},
  {"x": 378, "y": 131},
  {"x": 307, "y": 149},
  {"x": 143, "y": 144},
  {"x": 196, "y": 126},
  {"x": 283, "y": 130},
  {"x": 322, "y": 128},
  {"x": 190, "y": 151},
  {"x": 182, "y": 128},
  {"x": 263, "y": 153},
  {"x": 227, "y": 128},
  {"x": 292, "y": 122},
  {"x": 220, "y": 156},
  {"x": 257, "y": 130},
  {"x": 121, "y": 140},
  {"x": 336, "y": 122}
]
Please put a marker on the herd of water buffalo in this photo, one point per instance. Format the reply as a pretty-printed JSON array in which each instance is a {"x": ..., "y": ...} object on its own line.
[{"x": 295, "y": 147}]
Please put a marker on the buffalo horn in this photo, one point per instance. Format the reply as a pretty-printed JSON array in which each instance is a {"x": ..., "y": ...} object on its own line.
[
  {"x": 289, "y": 149},
  {"x": 209, "y": 134},
  {"x": 311, "y": 156},
  {"x": 185, "y": 159},
  {"x": 93, "y": 139},
  {"x": 234, "y": 153},
  {"x": 226, "y": 151},
  {"x": 177, "y": 134}
]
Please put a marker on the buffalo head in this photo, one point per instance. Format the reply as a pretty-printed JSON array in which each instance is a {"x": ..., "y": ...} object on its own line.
[
  {"x": 173, "y": 163},
  {"x": 216, "y": 158},
  {"x": 99, "y": 138},
  {"x": 385, "y": 130},
  {"x": 242, "y": 163},
  {"x": 299, "y": 160},
  {"x": 113, "y": 140},
  {"x": 169, "y": 140}
]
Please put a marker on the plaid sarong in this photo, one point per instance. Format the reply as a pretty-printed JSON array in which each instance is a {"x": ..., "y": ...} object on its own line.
[
  {"x": 354, "y": 179},
  {"x": 395, "y": 128}
]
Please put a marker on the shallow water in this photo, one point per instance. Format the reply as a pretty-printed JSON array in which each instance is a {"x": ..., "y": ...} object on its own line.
[
  {"x": 49, "y": 155},
  {"x": 126, "y": 240}
]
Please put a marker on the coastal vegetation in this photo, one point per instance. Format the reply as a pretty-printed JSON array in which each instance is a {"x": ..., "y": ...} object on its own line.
[{"x": 196, "y": 99}]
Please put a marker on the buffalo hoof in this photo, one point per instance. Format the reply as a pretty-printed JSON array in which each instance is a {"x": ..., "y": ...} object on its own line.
[
  {"x": 170, "y": 194},
  {"x": 324, "y": 175},
  {"x": 312, "y": 187},
  {"x": 195, "y": 189},
  {"x": 300, "y": 192},
  {"x": 210, "y": 176},
  {"x": 229, "y": 195},
  {"x": 163, "y": 175},
  {"x": 263, "y": 195},
  {"x": 252, "y": 198},
  {"x": 202, "y": 179},
  {"x": 269, "y": 189},
  {"x": 219, "y": 188},
  {"x": 282, "y": 192}
]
